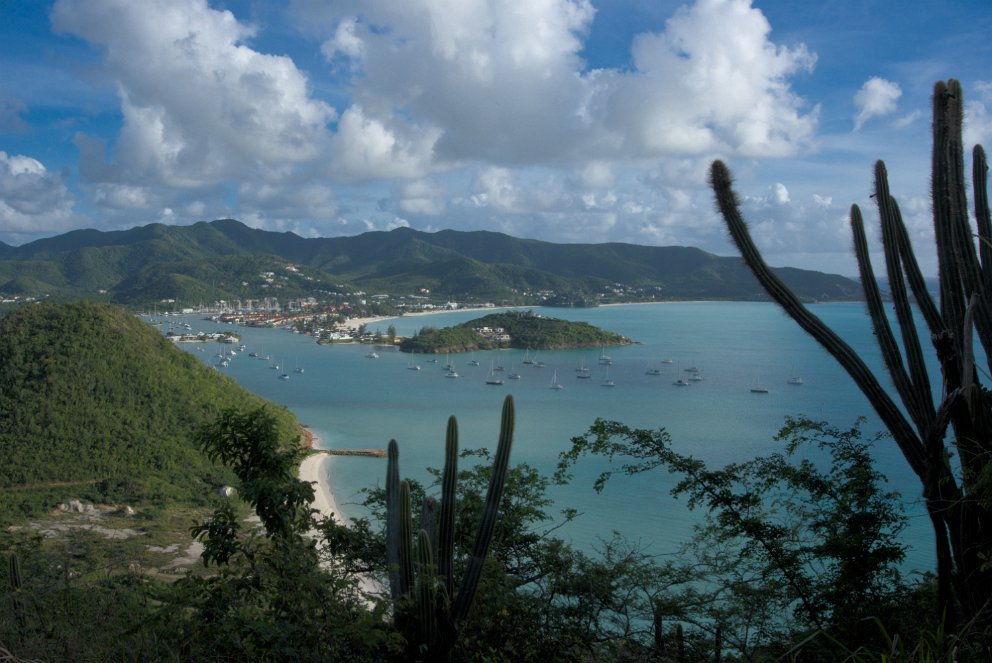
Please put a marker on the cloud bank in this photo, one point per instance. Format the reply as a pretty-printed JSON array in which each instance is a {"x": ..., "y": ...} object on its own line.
[{"x": 495, "y": 114}]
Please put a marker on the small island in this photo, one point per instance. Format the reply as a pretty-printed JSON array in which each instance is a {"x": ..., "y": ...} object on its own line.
[{"x": 524, "y": 330}]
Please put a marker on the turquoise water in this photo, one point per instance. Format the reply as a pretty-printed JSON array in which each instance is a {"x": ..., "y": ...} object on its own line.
[{"x": 352, "y": 401}]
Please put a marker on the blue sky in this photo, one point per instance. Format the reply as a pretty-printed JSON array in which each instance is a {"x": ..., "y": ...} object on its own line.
[{"x": 561, "y": 120}]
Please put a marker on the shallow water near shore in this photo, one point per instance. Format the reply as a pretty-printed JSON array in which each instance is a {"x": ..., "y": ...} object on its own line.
[{"x": 352, "y": 401}]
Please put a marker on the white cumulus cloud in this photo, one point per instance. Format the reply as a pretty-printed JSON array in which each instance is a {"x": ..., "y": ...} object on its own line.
[
  {"x": 712, "y": 80},
  {"x": 503, "y": 82},
  {"x": 32, "y": 199},
  {"x": 875, "y": 98},
  {"x": 199, "y": 104},
  {"x": 978, "y": 116}
]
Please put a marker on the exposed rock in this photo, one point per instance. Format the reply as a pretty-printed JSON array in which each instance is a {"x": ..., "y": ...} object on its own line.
[
  {"x": 76, "y": 506},
  {"x": 191, "y": 557}
]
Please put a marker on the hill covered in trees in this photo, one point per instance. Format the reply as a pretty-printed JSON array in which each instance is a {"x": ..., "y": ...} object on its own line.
[
  {"x": 226, "y": 259},
  {"x": 512, "y": 329},
  {"x": 92, "y": 396}
]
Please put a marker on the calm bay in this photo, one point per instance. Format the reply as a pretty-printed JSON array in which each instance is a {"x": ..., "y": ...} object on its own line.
[{"x": 352, "y": 401}]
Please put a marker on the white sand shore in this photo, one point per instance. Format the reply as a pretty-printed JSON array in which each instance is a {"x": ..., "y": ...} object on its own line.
[
  {"x": 352, "y": 324},
  {"x": 314, "y": 469}
]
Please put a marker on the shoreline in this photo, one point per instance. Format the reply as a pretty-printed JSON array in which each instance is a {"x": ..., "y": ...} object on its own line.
[
  {"x": 314, "y": 470},
  {"x": 355, "y": 323}
]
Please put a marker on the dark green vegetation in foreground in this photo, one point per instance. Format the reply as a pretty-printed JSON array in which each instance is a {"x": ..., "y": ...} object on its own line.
[
  {"x": 92, "y": 396},
  {"x": 955, "y": 475},
  {"x": 224, "y": 260},
  {"x": 526, "y": 331}
]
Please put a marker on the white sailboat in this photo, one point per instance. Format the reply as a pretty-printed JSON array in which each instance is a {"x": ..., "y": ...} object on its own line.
[
  {"x": 491, "y": 378},
  {"x": 554, "y": 382}
]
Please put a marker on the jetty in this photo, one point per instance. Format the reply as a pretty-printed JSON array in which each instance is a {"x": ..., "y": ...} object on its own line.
[{"x": 373, "y": 453}]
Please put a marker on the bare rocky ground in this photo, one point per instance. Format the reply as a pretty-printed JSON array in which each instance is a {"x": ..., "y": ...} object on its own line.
[{"x": 117, "y": 524}]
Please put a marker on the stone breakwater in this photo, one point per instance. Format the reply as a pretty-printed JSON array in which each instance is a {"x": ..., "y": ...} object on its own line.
[{"x": 374, "y": 453}]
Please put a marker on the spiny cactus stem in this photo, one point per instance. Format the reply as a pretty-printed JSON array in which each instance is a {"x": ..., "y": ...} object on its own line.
[
  {"x": 880, "y": 323},
  {"x": 406, "y": 539},
  {"x": 15, "y": 572},
  {"x": 979, "y": 178},
  {"x": 484, "y": 534},
  {"x": 914, "y": 388},
  {"x": 947, "y": 189},
  {"x": 428, "y": 518},
  {"x": 446, "y": 528},
  {"x": 921, "y": 294},
  {"x": 903, "y": 433},
  {"x": 392, "y": 519},
  {"x": 426, "y": 592}
]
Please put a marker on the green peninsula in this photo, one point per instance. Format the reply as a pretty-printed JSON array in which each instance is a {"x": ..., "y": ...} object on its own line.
[{"x": 512, "y": 329}]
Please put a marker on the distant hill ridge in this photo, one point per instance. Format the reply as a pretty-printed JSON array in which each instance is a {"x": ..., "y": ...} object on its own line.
[{"x": 221, "y": 260}]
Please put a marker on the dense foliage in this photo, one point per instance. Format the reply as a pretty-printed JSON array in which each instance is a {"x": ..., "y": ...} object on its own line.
[
  {"x": 794, "y": 560},
  {"x": 432, "y": 340},
  {"x": 525, "y": 329},
  {"x": 92, "y": 396}
]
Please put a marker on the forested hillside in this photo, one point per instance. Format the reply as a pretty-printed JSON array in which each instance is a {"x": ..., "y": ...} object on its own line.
[{"x": 90, "y": 394}]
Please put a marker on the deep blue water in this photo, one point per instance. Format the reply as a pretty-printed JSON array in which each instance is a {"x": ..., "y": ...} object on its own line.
[{"x": 352, "y": 401}]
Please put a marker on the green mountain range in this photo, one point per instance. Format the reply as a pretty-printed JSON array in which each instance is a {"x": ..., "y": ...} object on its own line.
[{"x": 226, "y": 259}]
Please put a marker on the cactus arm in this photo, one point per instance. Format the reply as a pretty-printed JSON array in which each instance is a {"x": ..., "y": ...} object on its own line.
[
  {"x": 957, "y": 258},
  {"x": 942, "y": 165},
  {"x": 406, "y": 539},
  {"x": 15, "y": 572},
  {"x": 426, "y": 593},
  {"x": 902, "y": 431},
  {"x": 428, "y": 518},
  {"x": 915, "y": 277},
  {"x": 392, "y": 519},
  {"x": 16, "y": 585},
  {"x": 880, "y": 322},
  {"x": 446, "y": 528},
  {"x": 919, "y": 397},
  {"x": 484, "y": 534},
  {"x": 979, "y": 178},
  {"x": 980, "y": 174}
]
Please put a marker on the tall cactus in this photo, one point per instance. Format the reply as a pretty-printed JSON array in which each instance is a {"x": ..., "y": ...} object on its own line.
[
  {"x": 16, "y": 586},
  {"x": 426, "y": 607},
  {"x": 957, "y": 506}
]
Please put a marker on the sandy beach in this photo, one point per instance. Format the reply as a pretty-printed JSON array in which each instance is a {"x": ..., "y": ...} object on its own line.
[{"x": 314, "y": 469}]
